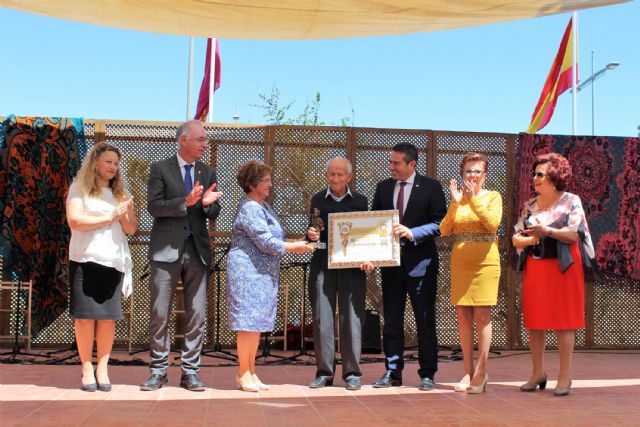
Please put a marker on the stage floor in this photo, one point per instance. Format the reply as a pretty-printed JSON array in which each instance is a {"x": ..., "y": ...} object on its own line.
[{"x": 606, "y": 390}]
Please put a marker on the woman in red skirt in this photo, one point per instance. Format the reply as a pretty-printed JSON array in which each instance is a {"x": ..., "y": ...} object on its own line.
[{"x": 553, "y": 239}]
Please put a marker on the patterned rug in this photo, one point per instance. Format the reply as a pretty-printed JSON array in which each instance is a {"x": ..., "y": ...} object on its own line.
[
  {"x": 40, "y": 156},
  {"x": 606, "y": 176}
]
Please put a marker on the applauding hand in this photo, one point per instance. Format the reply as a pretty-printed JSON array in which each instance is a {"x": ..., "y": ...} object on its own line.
[
  {"x": 195, "y": 194},
  {"x": 211, "y": 196},
  {"x": 456, "y": 194}
]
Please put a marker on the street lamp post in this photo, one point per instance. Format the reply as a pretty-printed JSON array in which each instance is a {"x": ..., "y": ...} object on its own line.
[
  {"x": 236, "y": 116},
  {"x": 595, "y": 76}
]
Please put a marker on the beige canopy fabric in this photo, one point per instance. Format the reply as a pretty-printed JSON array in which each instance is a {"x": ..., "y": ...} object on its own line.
[{"x": 297, "y": 19}]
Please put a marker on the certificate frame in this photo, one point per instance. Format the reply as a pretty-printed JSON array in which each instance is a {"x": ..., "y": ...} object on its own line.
[{"x": 356, "y": 237}]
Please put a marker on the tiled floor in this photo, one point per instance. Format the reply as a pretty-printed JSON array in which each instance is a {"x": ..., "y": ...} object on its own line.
[{"x": 606, "y": 391}]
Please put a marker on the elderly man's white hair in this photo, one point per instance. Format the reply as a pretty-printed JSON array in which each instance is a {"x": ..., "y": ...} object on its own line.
[
  {"x": 342, "y": 159},
  {"x": 182, "y": 129}
]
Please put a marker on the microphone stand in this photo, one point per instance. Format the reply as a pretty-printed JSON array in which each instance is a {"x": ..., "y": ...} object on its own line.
[
  {"x": 16, "y": 352},
  {"x": 218, "y": 352}
]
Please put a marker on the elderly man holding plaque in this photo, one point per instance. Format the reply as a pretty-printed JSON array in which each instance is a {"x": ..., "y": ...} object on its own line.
[
  {"x": 421, "y": 205},
  {"x": 346, "y": 286}
]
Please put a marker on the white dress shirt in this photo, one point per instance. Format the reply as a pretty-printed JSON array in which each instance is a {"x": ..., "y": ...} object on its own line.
[{"x": 407, "y": 192}]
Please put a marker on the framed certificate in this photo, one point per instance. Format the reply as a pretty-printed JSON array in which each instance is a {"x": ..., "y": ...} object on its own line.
[{"x": 355, "y": 237}]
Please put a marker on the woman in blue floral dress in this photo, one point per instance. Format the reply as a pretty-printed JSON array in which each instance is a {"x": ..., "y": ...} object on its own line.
[{"x": 253, "y": 268}]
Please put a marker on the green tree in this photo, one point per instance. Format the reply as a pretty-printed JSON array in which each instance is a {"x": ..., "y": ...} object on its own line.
[{"x": 276, "y": 112}]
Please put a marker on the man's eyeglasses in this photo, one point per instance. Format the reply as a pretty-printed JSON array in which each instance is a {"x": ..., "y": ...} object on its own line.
[
  {"x": 539, "y": 175},
  {"x": 473, "y": 172}
]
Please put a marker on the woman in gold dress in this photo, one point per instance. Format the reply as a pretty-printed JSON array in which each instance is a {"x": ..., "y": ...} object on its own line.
[{"x": 473, "y": 218}]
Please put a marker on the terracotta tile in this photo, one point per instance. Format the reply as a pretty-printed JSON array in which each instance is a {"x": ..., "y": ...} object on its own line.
[{"x": 606, "y": 387}]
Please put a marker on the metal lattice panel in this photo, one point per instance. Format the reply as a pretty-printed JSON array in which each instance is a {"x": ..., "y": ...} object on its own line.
[
  {"x": 387, "y": 138},
  {"x": 300, "y": 158},
  {"x": 299, "y": 155},
  {"x": 616, "y": 314},
  {"x": 458, "y": 141},
  {"x": 448, "y": 167}
]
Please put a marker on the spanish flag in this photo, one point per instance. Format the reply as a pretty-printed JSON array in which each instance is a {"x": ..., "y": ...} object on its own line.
[
  {"x": 560, "y": 78},
  {"x": 203, "y": 99}
]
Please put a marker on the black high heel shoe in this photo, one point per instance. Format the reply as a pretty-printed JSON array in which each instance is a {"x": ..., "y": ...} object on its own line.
[
  {"x": 100, "y": 386},
  {"x": 542, "y": 383},
  {"x": 88, "y": 387}
]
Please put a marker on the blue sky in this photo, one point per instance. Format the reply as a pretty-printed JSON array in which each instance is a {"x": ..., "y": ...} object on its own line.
[{"x": 484, "y": 79}]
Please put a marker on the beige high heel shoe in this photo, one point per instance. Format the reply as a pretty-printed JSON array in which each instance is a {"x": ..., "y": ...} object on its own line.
[
  {"x": 261, "y": 385},
  {"x": 477, "y": 389},
  {"x": 461, "y": 386},
  {"x": 246, "y": 386}
]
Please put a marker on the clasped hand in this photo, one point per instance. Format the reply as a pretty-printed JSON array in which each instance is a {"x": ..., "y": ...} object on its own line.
[
  {"x": 122, "y": 208},
  {"x": 537, "y": 230}
]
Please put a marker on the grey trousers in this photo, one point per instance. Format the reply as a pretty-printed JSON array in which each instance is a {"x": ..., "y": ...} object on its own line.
[
  {"x": 348, "y": 287},
  {"x": 164, "y": 278}
]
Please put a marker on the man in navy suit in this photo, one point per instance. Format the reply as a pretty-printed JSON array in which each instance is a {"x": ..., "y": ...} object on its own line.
[{"x": 422, "y": 206}]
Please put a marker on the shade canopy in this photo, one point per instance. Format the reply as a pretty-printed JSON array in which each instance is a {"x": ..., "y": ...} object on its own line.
[{"x": 297, "y": 19}]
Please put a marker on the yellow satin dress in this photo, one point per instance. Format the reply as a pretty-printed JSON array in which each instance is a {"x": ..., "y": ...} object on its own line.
[{"x": 475, "y": 259}]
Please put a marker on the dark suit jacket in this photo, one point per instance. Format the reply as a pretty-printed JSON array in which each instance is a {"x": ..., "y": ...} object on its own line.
[
  {"x": 166, "y": 204},
  {"x": 425, "y": 209}
]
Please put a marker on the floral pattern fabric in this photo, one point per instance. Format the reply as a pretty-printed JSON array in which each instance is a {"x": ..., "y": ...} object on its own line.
[
  {"x": 40, "y": 156},
  {"x": 253, "y": 267},
  {"x": 567, "y": 212}
]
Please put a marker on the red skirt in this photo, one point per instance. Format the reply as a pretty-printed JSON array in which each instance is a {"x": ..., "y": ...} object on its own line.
[{"x": 552, "y": 299}]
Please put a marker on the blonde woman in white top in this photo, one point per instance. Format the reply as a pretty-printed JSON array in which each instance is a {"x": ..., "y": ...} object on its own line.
[{"x": 100, "y": 213}]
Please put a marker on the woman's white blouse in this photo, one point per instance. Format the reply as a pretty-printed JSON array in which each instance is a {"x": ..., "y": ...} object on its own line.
[{"x": 106, "y": 245}]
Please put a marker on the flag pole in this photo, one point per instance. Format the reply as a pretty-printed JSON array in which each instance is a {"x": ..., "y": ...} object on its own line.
[
  {"x": 574, "y": 71},
  {"x": 190, "y": 81},
  {"x": 212, "y": 77}
]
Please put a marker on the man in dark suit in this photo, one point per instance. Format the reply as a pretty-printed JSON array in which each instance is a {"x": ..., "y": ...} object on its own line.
[
  {"x": 179, "y": 250},
  {"x": 422, "y": 206}
]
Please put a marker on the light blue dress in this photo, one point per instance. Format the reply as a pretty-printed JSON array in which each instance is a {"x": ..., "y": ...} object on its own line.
[{"x": 253, "y": 267}]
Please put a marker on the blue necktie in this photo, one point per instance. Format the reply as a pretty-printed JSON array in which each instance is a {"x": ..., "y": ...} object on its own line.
[
  {"x": 188, "y": 182},
  {"x": 188, "y": 186}
]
